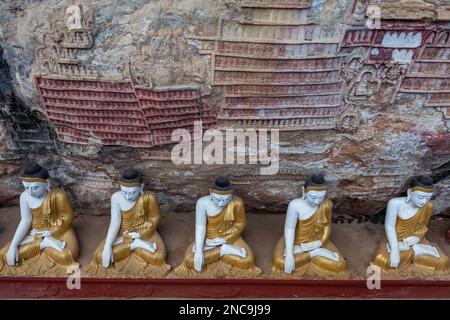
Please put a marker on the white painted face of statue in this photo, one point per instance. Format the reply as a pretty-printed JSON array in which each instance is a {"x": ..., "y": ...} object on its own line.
[
  {"x": 315, "y": 198},
  {"x": 418, "y": 198},
  {"x": 36, "y": 189},
  {"x": 131, "y": 193},
  {"x": 220, "y": 200}
]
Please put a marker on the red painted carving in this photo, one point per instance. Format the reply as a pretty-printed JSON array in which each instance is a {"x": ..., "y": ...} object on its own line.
[
  {"x": 430, "y": 68},
  {"x": 274, "y": 50},
  {"x": 246, "y": 64},
  {"x": 433, "y": 53},
  {"x": 438, "y": 99},
  {"x": 231, "y": 77},
  {"x": 266, "y": 85},
  {"x": 358, "y": 38},
  {"x": 292, "y": 90},
  {"x": 284, "y": 113},
  {"x": 294, "y": 123},
  {"x": 431, "y": 34},
  {"x": 284, "y": 4},
  {"x": 117, "y": 113},
  {"x": 428, "y": 73},
  {"x": 293, "y": 102}
]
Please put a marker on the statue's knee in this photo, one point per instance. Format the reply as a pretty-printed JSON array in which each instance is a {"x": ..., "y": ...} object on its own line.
[
  {"x": 159, "y": 258},
  {"x": 153, "y": 257},
  {"x": 247, "y": 262},
  {"x": 29, "y": 250},
  {"x": 61, "y": 257},
  {"x": 279, "y": 262},
  {"x": 143, "y": 254},
  {"x": 98, "y": 258},
  {"x": 335, "y": 266},
  {"x": 189, "y": 261}
]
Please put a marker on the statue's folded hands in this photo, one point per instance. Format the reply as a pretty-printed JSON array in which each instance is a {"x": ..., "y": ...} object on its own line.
[
  {"x": 308, "y": 246},
  {"x": 410, "y": 241},
  {"x": 215, "y": 242},
  {"x": 142, "y": 244},
  {"x": 42, "y": 233},
  {"x": 49, "y": 242},
  {"x": 132, "y": 235},
  {"x": 324, "y": 253}
]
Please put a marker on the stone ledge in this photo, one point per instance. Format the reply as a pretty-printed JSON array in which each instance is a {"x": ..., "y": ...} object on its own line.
[{"x": 45, "y": 288}]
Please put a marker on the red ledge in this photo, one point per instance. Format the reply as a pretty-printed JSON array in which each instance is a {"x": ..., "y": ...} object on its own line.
[{"x": 55, "y": 288}]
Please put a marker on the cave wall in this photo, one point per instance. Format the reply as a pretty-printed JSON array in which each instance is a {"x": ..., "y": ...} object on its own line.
[{"x": 88, "y": 93}]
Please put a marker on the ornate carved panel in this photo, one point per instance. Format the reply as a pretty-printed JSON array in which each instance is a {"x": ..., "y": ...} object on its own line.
[
  {"x": 416, "y": 52},
  {"x": 86, "y": 107},
  {"x": 285, "y": 4},
  {"x": 71, "y": 29},
  {"x": 388, "y": 178},
  {"x": 430, "y": 73},
  {"x": 270, "y": 64},
  {"x": 275, "y": 68},
  {"x": 118, "y": 113}
]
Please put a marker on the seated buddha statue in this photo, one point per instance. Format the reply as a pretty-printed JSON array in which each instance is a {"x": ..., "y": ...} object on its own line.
[
  {"x": 218, "y": 249},
  {"x": 305, "y": 248},
  {"x": 44, "y": 243},
  {"x": 404, "y": 250},
  {"x": 133, "y": 247}
]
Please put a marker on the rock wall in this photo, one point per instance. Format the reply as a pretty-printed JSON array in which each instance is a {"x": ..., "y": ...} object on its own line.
[{"x": 359, "y": 90}]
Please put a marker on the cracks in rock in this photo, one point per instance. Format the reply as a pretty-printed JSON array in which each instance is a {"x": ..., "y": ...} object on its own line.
[
  {"x": 28, "y": 131},
  {"x": 361, "y": 218},
  {"x": 442, "y": 112},
  {"x": 441, "y": 172}
]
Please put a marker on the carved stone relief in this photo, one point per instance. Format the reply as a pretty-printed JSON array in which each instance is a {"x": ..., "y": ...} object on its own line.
[
  {"x": 275, "y": 68},
  {"x": 88, "y": 108}
]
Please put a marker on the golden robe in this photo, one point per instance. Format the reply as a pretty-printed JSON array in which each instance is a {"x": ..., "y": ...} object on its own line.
[
  {"x": 55, "y": 214},
  {"x": 316, "y": 227},
  {"x": 144, "y": 218},
  {"x": 227, "y": 224},
  {"x": 424, "y": 264}
]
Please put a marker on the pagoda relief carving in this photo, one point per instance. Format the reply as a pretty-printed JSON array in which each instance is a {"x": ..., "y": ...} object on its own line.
[
  {"x": 88, "y": 107},
  {"x": 274, "y": 68},
  {"x": 270, "y": 65}
]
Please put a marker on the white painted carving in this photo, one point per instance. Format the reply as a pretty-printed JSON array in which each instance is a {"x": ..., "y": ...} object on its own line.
[
  {"x": 402, "y": 56},
  {"x": 402, "y": 40}
]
